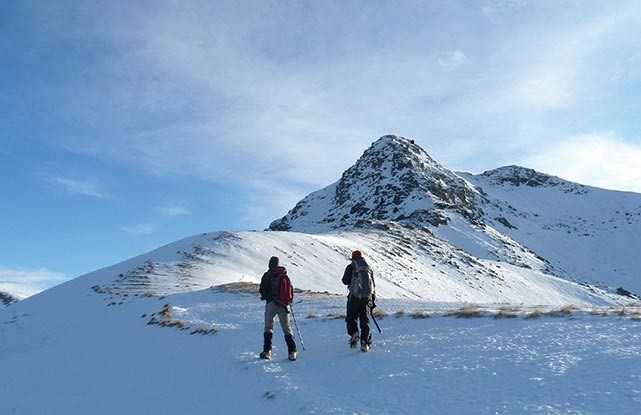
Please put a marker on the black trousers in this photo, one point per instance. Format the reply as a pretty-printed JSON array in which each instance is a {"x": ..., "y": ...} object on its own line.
[{"x": 358, "y": 311}]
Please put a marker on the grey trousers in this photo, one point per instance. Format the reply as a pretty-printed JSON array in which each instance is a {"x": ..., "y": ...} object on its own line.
[{"x": 271, "y": 311}]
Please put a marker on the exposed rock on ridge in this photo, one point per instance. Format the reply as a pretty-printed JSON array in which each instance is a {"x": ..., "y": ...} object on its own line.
[
  {"x": 7, "y": 299},
  {"x": 521, "y": 176},
  {"x": 394, "y": 180}
]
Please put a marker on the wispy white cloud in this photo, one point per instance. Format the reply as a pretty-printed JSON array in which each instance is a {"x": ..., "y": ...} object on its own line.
[
  {"x": 560, "y": 73},
  {"x": 24, "y": 283},
  {"x": 229, "y": 89},
  {"x": 173, "y": 210},
  {"x": 308, "y": 112},
  {"x": 140, "y": 230},
  {"x": 598, "y": 159},
  {"x": 451, "y": 59},
  {"x": 80, "y": 187}
]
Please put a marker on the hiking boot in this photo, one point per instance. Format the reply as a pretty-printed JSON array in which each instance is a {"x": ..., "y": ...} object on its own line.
[
  {"x": 354, "y": 340},
  {"x": 365, "y": 347},
  {"x": 293, "y": 356},
  {"x": 265, "y": 354}
]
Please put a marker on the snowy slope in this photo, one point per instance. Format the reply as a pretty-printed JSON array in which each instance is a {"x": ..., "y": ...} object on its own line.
[
  {"x": 70, "y": 352},
  {"x": 587, "y": 234},
  {"x": 408, "y": 263}
]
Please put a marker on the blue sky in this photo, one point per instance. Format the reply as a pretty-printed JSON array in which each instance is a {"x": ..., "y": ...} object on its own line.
[{"x": 129, "y": 125}]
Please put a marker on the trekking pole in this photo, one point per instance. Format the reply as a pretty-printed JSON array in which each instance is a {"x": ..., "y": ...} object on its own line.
[
  {"x": 291, "y": 307},
  {"x": 371, "y": 312}
]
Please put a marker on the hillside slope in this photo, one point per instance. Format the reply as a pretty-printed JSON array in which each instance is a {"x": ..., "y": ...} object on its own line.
[{"x": 408, "y": 263}]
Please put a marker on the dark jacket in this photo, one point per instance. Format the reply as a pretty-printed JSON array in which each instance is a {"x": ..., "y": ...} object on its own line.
[
  {"x": 266, "y": 287},
  {"x": 347, "y": 275}
]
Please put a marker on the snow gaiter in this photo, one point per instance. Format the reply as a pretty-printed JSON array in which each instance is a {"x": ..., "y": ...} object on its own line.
[
  {"x": 291, "y": 344},
  {"x": 267, "y": 345}
]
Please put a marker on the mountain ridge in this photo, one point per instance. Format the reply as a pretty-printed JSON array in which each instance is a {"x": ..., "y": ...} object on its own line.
[
  {"x": 506, "y": 235},
  {"x": 395, "y": 180}
]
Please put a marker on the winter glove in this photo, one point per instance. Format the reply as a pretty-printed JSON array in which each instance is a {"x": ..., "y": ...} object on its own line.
[{"x": 373, "y": 302}]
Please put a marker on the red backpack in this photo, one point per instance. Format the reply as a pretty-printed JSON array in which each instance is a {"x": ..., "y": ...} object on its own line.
[{"x": 282, "y": 289}]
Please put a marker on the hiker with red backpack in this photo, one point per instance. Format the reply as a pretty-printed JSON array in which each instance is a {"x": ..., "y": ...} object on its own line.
[
  {"x": 359, "y": 278},
  {"x": 276, "y": 289}
]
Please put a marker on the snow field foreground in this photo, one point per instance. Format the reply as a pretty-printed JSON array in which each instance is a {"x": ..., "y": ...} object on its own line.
[{"x": 108, "y": 360}]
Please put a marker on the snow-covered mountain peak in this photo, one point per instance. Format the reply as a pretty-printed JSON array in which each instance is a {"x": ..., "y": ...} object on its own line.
[
  {"x": 398, "y": 154},
  {"x": 394, "y": 180},
  {"x": 522, "y": 176}
]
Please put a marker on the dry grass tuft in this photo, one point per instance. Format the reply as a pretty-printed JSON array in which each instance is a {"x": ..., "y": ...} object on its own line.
[
  {"x": 164, "y": 318},
  {"x": 245, "y": 287},
  {"x": 238, "y": 287},
  {"x": 179, "y": 324},
  {"x": 205, "y": 331},
  {"x": 534, "y": 314},
  {"x": 335, "y": 315},
  {"x": 508, "y": 312},
  {"x": 563, "y": 311},
  {"x": 622, "y": 312},
  {"x": 420, "y": 314},
  {"x": 379, "y": 313},
  {"x": 400, "y": 313},
  {"x": 469, "y": 311},
  {"x": 568, "y": 309},
  {"x": 166, "y": 311}
]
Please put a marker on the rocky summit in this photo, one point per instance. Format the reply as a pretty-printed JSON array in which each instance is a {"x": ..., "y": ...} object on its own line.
[{"x": 394, "y": 180}]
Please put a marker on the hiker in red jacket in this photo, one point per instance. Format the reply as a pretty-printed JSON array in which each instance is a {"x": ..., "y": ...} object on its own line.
[
  {"x": 276, "y": 289},
  {"x": 359, "y": 279}
]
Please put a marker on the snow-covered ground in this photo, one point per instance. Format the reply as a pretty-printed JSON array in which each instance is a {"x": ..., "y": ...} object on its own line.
[
  {"x": 77, "y": 354},
  {"x": 410, "y": 264}
]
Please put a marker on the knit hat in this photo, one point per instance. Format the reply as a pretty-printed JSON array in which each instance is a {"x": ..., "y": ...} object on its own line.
[
  {"x": 273, "y": 262},
  {"x": 356, "y": 255}
]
